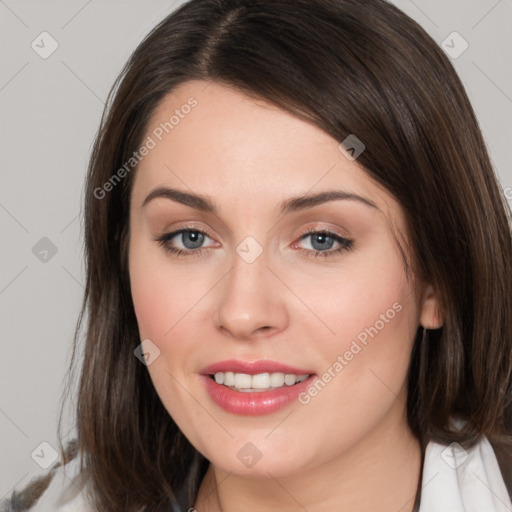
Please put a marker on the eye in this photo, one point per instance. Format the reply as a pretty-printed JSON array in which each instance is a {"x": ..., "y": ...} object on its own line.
[
  {"x": 325, "y": 239},
  {"x": 191, "y": 239}
]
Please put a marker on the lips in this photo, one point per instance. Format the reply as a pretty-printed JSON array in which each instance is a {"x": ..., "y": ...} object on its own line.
[
  {"x": 253, "y": 367},
  {"x": 255, "y": 403}
]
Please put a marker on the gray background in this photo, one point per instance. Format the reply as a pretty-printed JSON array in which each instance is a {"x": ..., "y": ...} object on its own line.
[{"x": 50, "y": 110}]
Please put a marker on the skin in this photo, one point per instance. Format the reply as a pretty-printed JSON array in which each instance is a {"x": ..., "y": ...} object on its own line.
[{"x": 350, "y": 447}]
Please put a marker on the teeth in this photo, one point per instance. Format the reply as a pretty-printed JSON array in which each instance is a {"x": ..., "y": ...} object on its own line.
[
  {"x": 259, "y": 382},
  {"x": 277, "y": 380},
  {"x": 289, "y": 379},
  {"x": 242, "y": 380},
  {"x": 229, "y": 379}
]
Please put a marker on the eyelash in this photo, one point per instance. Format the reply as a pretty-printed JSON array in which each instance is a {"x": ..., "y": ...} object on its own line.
[{"x": 346, "y": 244}]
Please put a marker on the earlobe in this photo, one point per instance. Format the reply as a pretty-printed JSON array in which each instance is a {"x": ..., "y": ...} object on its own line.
[{"x": 431, "y": 316}]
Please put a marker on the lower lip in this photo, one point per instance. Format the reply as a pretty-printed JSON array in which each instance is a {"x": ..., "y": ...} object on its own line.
[{"x": 256, "y": 402}]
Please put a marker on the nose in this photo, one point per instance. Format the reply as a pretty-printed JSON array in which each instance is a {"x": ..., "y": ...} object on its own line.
[{"x": 252, "y": 301}]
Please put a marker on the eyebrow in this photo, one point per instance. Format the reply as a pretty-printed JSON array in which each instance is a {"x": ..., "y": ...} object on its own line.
[{"x": 292, "y": 204}]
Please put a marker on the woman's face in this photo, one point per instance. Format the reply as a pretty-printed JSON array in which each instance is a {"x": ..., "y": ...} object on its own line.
[{"x": 253, "y": 286}]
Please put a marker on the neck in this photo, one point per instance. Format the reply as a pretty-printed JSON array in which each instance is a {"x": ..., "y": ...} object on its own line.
[{"x": 380, "y": 473}]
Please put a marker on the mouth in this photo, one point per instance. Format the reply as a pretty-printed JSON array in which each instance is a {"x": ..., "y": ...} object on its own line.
[
  {"x": 254, "y": 388},
  {"x": 260, "y": 382}
]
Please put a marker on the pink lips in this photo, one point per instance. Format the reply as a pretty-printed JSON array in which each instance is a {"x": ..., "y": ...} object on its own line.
[
  {"x": 252, "y": 367},
  {"x": 258, "y": 402}
]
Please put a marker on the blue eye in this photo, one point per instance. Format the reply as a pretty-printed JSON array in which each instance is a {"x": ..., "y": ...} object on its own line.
[
  {"x": 324, "y": 237},
  {"x": 192, "y": 240}
]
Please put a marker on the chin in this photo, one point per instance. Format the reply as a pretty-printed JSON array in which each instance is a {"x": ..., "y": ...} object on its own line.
[{"x": 256, "y": 457}]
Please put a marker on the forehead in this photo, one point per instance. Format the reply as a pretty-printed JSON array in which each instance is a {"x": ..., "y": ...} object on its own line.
[{"x": 213, "y": 140}]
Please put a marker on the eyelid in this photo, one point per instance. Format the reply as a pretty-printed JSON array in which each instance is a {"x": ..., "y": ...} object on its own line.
[
  {"x": 177, "y": 231},
  {"x": 322, "y": 227},
  {"x": 185, "y": 227}
]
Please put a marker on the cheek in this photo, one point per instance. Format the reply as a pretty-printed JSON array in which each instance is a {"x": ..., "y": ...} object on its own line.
[
  {"x": 156, "y": 307},
  {"x": 372, "y": 313},
  {"x": 150, "y": 302},
  {"x": 366, "y": 297},
  {"x": 162, "y": 294},
  {"x": 369, "y": 319},
  {"x": 162, "y": 298}
]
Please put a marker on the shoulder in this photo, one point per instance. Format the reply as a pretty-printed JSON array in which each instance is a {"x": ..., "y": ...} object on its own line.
[
  {"x": 62, "y": 489},
  {"x": 458, "y": 480}
]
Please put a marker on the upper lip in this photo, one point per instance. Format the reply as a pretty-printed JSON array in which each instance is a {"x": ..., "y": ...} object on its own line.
[{"x": 252, "y": 367}]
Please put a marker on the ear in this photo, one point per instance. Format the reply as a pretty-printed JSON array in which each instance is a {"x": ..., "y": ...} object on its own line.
[{"x": 430, "y": 312}]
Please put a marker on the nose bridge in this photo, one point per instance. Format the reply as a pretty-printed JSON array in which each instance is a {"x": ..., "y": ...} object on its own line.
[{"x": 250, "y": 301}]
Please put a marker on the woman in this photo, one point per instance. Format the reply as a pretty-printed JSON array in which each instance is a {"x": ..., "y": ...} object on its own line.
[{"x": 234, "y": 361}]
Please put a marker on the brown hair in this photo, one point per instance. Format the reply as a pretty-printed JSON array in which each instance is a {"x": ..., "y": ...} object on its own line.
[{"x": 349, "y": 67}]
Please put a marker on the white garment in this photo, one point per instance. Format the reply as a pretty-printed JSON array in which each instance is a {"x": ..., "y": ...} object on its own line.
[{"x": 453, "y": 481}]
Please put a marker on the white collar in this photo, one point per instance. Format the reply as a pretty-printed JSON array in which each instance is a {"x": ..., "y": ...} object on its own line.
[{"x": 456, "y": 480}]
